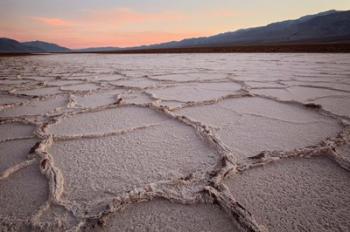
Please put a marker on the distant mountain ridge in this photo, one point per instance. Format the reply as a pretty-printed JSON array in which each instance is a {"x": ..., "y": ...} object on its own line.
[
  {"x": 329, "y": 26},
  {"x": 97, "y": 49},
  {"x": 48, "y": 47},
  {"x": 13, "y": 46},
  {"x": 325, "y": 27}
]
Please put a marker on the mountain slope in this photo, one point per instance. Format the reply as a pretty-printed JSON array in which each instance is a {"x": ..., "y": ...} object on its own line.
[
  {"x": 329, "y": 26},
  {"x": 97, "y": 49},
  {"x": 325, "y": 27},
  {"x": 47, "y": 47},
  {"x": 13, "y": 46}
]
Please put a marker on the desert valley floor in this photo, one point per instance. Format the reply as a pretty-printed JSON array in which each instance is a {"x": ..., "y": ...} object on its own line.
[{"x": 180, "y": 142}]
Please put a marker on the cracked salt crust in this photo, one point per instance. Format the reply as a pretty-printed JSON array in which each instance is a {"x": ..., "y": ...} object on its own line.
[
  {"x": 296, "y": 194},
  {"x": 36, "y": 107},
  {"x": 14, "y": 152},
  {"x": 159, "y": 215},
  {"x": 105, "y": 121},
  {"x": 300, "y": 94},
  {"x": 97, "y": 99},
  {"x": 82, "y": 87},
  {"x": 119, "y": 163},
  {"x": 196, "y": 92},
  {"x": 22, "y": 194},
  {"x": 221, "y": 139},
  {"x": 252, "y": 125}
]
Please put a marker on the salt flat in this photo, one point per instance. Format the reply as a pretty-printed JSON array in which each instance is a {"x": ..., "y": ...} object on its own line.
[{"x": 180, "y": 142}]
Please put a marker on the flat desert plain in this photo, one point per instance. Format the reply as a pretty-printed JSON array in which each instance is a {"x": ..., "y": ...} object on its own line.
[{"x": 175, "y": 142}]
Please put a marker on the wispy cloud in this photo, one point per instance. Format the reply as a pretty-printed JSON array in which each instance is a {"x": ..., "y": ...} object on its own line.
[
  {"x": 127, "y": 16},
  {"x": 111, "y": 19},
  {"x": 57, "y": 22},
  {"x": 127, "y": 27}
]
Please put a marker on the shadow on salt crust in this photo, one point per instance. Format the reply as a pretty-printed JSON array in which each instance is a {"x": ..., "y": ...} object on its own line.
[
  {"x": 251, "y": 125},
  {"x": 296, "y": 195},
  {"x": 161, "y": 215}
]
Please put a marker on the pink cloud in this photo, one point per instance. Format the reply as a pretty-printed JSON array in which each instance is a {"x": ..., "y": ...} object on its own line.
[
  {"x": 57, "y": 22},
  {"x": 125, "y": 27},
  {"x": 119, "y": 16}
]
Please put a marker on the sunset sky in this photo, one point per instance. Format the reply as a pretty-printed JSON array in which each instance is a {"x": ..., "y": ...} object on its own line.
[{"x": 94, "y": 23}]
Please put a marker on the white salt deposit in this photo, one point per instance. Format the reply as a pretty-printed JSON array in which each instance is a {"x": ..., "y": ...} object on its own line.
[{"x": 175, "y": 142}]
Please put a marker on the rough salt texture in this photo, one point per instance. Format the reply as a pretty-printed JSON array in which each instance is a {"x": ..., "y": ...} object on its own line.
[
  {"x": 84, "y": 87},
  {"x": 36, "y": 107},
  {"x": 175, "y": 142},
  {"x": 11, "y": 131},
  {"x": 118, "y": 163},
  {"x": 105, "y": 121},
  {"x": 160, "y": 215},
  {"x": 296, "y": 195},
  {"x": 40, "y": 91},
  {"x": 97, "y": 99},
  {"x": 7, "y": 99},
  {"x": 336, "y": 105},
  {"x": 22, "y": 194},
  {"x": 195, "y": 92},
  {"x": 14, "y": 152},
  {"x": 252, "y": 125}
]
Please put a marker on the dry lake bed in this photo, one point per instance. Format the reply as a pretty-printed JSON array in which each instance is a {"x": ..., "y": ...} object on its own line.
[{"x": 180, "y": 142}]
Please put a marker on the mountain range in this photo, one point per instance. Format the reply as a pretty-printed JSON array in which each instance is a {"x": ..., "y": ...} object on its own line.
[
  {"x": 325, "y": 27},
  {"x": 13, "y": 46},
  {"x": 329, "y": 26}
]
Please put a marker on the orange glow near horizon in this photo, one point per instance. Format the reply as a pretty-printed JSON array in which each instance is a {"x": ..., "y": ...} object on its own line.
[
  {"x": 79, "y": 24},
  {"x": 112, "y": 27},
  {"x": 118, "y": 40}
]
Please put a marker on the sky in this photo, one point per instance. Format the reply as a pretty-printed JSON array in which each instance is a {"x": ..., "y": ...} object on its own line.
[{"x": 124, "y": 23}]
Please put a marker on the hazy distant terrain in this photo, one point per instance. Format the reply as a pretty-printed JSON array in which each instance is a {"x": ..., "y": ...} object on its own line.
[
  {"x": 325, "y": 27},
  {"x": 47, "y": 47},
  {"x": 330, "y": 26},
  {"x": 13, "y": 46}
]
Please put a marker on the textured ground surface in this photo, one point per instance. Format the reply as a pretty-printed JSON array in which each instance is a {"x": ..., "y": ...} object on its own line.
[{"x": 187, "y": 142}]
